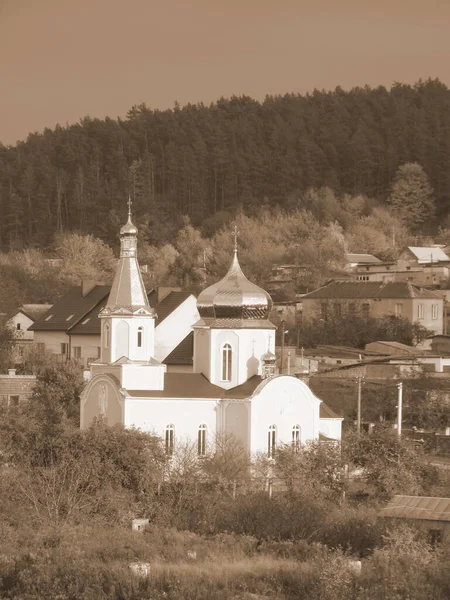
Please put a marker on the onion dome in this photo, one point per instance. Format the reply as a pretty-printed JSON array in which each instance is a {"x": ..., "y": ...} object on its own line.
[
  {"x": 234, "y": 297},
  {"x": 268, "y": 357},
  {"x": 129, "y": 228}
]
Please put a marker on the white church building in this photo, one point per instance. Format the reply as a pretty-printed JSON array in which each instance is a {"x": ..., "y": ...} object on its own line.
[{"x": 233, "y": 389}]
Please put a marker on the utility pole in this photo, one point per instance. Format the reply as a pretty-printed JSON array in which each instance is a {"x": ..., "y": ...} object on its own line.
[
  {"x": 282, "y": 346},
  {"x": 358, "y": 414},
  {"x": 400, "y": 408},
  {"x": 289, "y": 364}
]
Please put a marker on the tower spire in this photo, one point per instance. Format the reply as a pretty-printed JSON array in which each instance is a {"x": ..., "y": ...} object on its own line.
[
  {"x": 129, "y": 207},
  {"x": 235, "y": 235}
]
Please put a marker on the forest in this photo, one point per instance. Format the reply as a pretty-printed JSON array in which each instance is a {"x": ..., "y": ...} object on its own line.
[{"x": 208, "y": 162}]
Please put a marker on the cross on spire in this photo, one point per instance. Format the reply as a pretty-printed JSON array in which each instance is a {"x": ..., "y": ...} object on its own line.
[
  {"x": 129, "y": 206},
  {"x": 235, "y": 234}
]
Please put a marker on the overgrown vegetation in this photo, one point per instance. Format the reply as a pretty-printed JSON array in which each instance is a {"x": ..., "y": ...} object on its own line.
[{"x": 67, "y": 498}]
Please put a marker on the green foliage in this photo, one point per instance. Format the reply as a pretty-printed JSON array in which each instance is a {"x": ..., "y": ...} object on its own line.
[
  {"x": 237, "y": 153},
  {"x": 411, "y": 195}
]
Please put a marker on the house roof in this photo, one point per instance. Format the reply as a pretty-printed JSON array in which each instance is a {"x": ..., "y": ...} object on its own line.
[
  {"x": 90, "y": 321},
  {"x": 34, "y": 311},
  {"x": 355, "y": 290},
  {"x": 363, "y": 259},
  {"x": 397, "y": 346},
  {"x": 195, "y": 385},
  {"x": 183, "y": 353},
  {"x": 429, "y": 254},
  {"x": 417, "y": 507},
  {"x": 70, "y": 309}
]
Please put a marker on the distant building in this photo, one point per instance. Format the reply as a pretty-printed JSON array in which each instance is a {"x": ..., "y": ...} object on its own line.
[
  {"x": 371, "y": 299},
  {"x": 430, "y": 514},
  {"x": 361, "y": 260},
  {"x": 20, "y": 322},
  {"x": 72, "y": 327},
  {"x": 15, "y": 389}
]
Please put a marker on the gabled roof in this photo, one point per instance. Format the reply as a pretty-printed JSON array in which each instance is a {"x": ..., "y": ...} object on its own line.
[
  {"x": 70, "y": 309},
  {"x": 418, "y": 507},
  {"x": 169, "y": 303},
  {"x": 183, "y": 354},
  {"x": 34, "y": 311},
  {"x": 195, "y": 385},
  {"x": 90, "y": 323},
  {"x": 363, "y": 259},
  {"x": 340, "y": 290},
  {"x": 429, "y": 254}
]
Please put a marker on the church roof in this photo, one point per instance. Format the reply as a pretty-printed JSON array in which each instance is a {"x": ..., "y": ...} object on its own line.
[
  {"x": 235, "y": 323},
  {"x": 234, "y": 298},
  {"x": 183, "y": 354},
  {"x": 196, "y": 386}
]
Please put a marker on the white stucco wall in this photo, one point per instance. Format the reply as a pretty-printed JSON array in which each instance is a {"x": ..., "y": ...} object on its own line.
[
  {"x": 248, "y": 346},
  {"x": 331, "y": 428},
  {"x": 175, "y": 328},
  {"x": 24, "y": 322},
  {"x": 52, "y": 340},
  {"x": 89, "y": 344},
  {"x": 283, "y": 402},
  {"x": 124, "y": 335},
  {"x": 153, "y": 415},
  {"x": 143, "y": 377}
]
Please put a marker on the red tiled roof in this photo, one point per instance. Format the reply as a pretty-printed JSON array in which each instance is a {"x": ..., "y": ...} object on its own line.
[{"x": 368, "y": 289}]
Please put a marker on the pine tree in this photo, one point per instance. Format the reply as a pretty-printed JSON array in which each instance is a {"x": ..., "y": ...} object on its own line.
[{"x": 412, "y": 195}]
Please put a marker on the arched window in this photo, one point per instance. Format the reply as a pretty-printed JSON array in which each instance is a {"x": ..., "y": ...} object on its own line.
[
  {"x": 272, "y": 441},
  {"x": 296, "y": 437},
  {"x": 107, "y": 336},
  {"x": 140, "y": 337},
  {"x": 169, "y": 439},
  {"x": 201, "y": 440},
  {"x": 227, "y": 358}
]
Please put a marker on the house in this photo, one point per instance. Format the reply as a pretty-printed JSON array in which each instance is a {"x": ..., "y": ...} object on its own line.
[
  {"x": 72, "y": 326},
  {"x": 15, "y": 389},
  {"x": 373, "y": 299},
  {"x": 20, "y": 321},
  {"x": 233, "y": 388},
  {"x": 358, "y": 260},
  {"x": 430, "y": 514}
]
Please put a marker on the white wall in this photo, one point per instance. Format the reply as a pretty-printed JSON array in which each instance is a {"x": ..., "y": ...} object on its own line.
[
  {"x": 248, "y": 346},
  {"x": 24, "y": 322},
  {"x": 52, "y": 340},
  {"x": 143, "y": 377},
  {"x": 284, "y": 402},
  {"x": 124, "y": 335},
  {"x": 89, "y": 345},
  {"x": 175, "y": 328},
  {"x": 331, "y": 428},
  {"x": 153, "y": 415}
]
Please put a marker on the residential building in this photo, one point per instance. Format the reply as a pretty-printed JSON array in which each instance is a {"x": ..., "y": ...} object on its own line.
[
  {"x": 233, "y": 388},
  {"x": 72, "y": 327},
  {"x": 15, "y": 389},
  {"x": 373, "y": 299}
]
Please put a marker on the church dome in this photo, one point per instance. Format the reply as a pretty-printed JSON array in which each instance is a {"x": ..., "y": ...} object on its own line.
[
  {"x": 129, "y": 228},
  {"x": 234, "y": 297}
]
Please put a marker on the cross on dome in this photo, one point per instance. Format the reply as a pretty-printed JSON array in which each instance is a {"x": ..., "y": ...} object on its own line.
[
  {"x": 235, "y": 235},
  {"x": 129, "y": 205}
]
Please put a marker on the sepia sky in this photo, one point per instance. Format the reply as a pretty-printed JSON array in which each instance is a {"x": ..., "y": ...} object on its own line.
[{"x": 63, "y": 59}]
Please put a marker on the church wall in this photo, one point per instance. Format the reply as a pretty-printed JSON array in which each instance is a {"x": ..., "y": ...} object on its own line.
[
  {"x": 154, "y": 415},
  {"x": 248, "y": 346},
  {"x": 175, "y": 328},
  {"x": 143, "y": 377},
  {"x": 331, "y": 428},
  {"x": 101, "y": 399},
  {"x": 124, "y": 333},
  {"x": 202, "y": 349},
  {"x": 283, "y": 402},
  {"x": 236, "y": 421}
]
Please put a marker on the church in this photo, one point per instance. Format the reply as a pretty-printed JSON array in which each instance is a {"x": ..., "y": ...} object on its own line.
[{"x": 233, "y": 387}]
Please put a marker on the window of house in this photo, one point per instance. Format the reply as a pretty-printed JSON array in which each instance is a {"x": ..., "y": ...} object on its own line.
[
  {"x": 140, "y": 336},
  {"x": 227, "y": 357},
  {"x": 365, "y": 310},
  {"x": 69, "y": 317},
  {"x": 420, "y": 311},
  {"x": 337, "y": 311},
  {"x": 99, "y": 351},
  {"x": 18, "y": 326},
  {"x": 169, "y": 439},
  {"x": 272, "y": 441},
  {"x": 296, "y": 437},
  {"x": 434, "y": 311},
  {"x": 64, "y": 348},
  {"x": 201, "y": 440},
  {"x": 77, "y": 351},
  {"x": 107, "y": 336},
  {"x": 86, "y": 320},
  {"x": 323, "y": 310},
  {"x": 49, "y": 317},
  {"x": 13, "y": 401},
  {"x": 41, "y": 346},
  {"x": 398, "y": 309},
  {"x": 352, "y": 308}
]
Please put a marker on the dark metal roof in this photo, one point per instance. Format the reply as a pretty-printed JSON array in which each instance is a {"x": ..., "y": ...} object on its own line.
[
  {"x": 70, "y": 309},
  {"x": 235, "y": 323},
  {"x": 417, "y": 507},
  {"x": 195, "y": 385},
  {"x": 183, "y": 354},
  {"x": 354, "y": 290},
  {"x": 90, "y": 323},
  {"x": 363, "y": 259}
]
